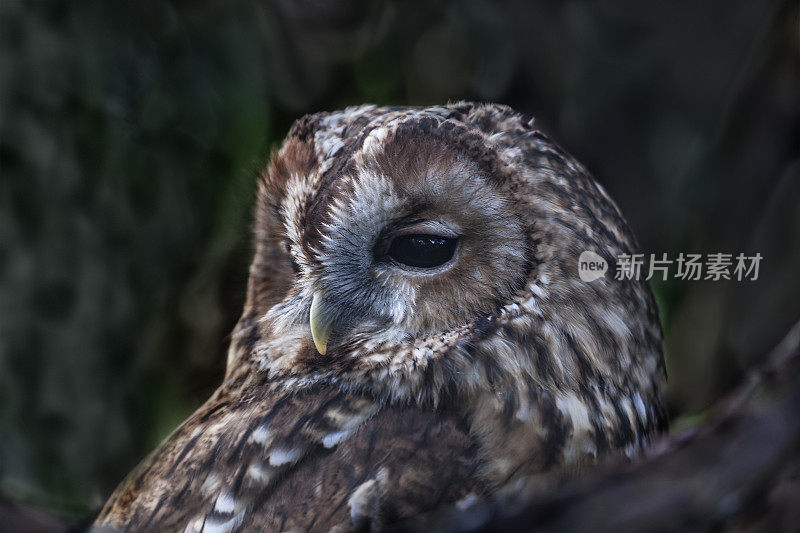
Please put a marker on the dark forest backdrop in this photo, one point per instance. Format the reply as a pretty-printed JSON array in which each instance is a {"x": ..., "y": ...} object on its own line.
[{"x": 132, "y": 133}]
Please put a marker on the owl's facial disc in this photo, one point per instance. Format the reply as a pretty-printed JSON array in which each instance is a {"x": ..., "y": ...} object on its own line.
[{"x": 414, "y": 242}]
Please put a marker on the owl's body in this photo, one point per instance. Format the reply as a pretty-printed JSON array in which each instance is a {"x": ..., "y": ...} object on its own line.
[{"x": 415, "y": 332}]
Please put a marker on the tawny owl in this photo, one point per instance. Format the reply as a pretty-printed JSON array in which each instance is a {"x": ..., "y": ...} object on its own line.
[{"x": 415, "y": 334}]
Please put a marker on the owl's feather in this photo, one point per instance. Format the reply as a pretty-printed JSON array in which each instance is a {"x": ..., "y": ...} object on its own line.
[
  {"x": 313, "y": 458},
  {"x": 490, "y": 373}
]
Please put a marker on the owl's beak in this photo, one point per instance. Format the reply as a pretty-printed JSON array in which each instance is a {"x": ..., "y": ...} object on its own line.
[{"x": 321, "y": 320}]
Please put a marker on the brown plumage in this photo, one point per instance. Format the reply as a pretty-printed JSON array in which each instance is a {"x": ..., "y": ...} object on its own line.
[{"x": 369, "y": 381}]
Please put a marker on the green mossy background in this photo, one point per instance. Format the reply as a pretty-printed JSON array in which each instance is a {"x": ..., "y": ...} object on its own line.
[{"x": 132, "y": 133}]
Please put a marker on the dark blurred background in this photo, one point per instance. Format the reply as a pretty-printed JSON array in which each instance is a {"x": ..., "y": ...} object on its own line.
[{"x": 132, "y": 133}]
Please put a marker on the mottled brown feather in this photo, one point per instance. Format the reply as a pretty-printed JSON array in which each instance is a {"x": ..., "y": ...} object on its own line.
[{"x": 482, "y": 380}]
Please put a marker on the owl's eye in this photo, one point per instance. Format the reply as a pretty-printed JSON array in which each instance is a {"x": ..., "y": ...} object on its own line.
[{"x": 422, "y": 251}]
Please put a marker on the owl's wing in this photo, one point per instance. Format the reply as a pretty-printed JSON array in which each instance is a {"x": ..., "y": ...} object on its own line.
[{"x": 311, "y": 459}]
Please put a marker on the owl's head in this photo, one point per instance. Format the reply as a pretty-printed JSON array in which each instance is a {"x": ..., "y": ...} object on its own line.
[{"x": 397, "y": 244}]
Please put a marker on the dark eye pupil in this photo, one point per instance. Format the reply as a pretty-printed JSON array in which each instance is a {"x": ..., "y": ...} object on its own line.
[{"x": 422, "y": 251}]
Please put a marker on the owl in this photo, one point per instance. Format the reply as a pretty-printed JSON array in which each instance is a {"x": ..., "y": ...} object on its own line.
[{"x": 416, "y": 333}]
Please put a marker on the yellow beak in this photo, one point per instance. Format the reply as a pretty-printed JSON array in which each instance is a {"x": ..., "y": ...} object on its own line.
[{"x": 321, "y": 320}]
